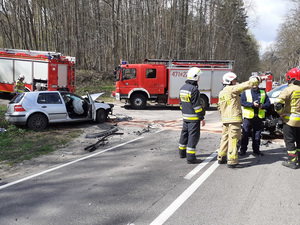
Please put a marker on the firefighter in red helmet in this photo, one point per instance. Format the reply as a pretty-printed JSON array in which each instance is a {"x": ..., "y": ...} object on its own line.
[{"x": 287, "y": 105}]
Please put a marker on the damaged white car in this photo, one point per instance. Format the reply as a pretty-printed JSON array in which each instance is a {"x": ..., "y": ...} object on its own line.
[{"x": 37, "y": 109}]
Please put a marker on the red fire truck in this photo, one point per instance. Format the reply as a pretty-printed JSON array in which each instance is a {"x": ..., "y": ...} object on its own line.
[
  {"x": 266, "y": 84},
  {"x": 161, "y": 81},
  {"x": 50, "y": 70}
]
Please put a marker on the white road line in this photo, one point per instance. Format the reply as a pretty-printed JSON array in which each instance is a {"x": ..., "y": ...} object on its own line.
[
  {"x": 66, "y": 164},
  {"x": 201, "y": 166},
  {"x": 168, "y": 212}
]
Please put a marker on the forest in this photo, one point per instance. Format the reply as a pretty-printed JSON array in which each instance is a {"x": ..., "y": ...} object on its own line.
[{"x": 101, "y": 32}]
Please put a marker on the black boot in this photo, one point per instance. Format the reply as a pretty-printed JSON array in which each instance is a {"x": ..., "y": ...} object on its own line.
[
  {"x": 191, "y": 159},
  {"x": 182, "y": 153},
  {"x": 222, "y": 160},
  {"x": 194, "y": 161},
  {"x": 292, "y": 160},
  {"x": 290, "y": 164}
]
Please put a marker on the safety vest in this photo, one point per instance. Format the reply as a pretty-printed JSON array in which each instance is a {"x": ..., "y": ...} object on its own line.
[{"x": 248, "y": 112}]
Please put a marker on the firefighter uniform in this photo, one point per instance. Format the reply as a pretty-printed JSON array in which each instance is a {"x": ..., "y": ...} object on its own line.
[
  {"x": 287, "y": 105},
  {"x": 192, "y": 113},
  {"x": 253, "y": 118},
  {"x": 20, "y": 87},
  {"x": 231, "y": 113}
]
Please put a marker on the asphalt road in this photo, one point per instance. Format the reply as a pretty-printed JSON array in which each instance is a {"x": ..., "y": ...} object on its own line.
[{"x": 141, "y": 180}]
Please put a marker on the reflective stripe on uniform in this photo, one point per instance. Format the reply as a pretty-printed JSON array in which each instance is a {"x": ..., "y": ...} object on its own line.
[
  {"x": 191, "y": 152},
  {"x": 190, "y": 117},
  {"x": 295, "y": 97},
  {"x": 182, "y": 147},
  {"x": 185, "y": 96},
  {"x": 292, "y": 116},
  {"x": 198, "y": 109}
]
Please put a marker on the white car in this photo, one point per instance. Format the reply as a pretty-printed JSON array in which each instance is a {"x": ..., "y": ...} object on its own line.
[
  {"x": 37, "y": 109},
  {"x": 274, "y": 93}
]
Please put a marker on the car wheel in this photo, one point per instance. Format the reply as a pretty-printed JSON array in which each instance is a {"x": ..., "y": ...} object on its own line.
[
  {"x": 101, "y": 116},
  {"x": 37, "y": 122}
]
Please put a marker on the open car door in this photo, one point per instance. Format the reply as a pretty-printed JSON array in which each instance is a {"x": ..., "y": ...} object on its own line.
[{"x": 93, "y": 108}]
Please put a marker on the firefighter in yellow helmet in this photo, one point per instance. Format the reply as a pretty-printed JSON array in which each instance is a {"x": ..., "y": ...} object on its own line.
[
  {"x": 287, "y": 105},
  {"x": 20, "y": 87},
  {"x": 231, "y": 113},
  {"x": 192, "y": 113}
]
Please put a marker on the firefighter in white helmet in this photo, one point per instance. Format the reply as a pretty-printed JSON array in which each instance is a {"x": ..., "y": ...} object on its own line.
[
  {"x": 287, "y": 105},
  {"x": 254, "y": 102},
  {"x": 20, "y": 87},
  {"x": 231, "y": 113},
  {"x": 192, "y": 113}
]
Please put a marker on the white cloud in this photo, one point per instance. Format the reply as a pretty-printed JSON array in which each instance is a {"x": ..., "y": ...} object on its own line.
[{"x": 265, "y": 17}]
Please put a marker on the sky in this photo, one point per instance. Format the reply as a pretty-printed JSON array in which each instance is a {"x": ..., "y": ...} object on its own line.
[{"x": 265, "y": 17}]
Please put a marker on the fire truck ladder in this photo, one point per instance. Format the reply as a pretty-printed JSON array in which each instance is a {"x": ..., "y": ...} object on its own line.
[
  {"x": 201, "y": 63},
  {"x": 31, "y": 52}
]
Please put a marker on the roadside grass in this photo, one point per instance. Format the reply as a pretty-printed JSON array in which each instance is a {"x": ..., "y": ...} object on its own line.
[{"x": 18, "y": 144}]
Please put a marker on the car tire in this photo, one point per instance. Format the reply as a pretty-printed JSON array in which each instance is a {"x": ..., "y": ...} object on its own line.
[
  {"x": 37, "y": 122},
  {"x": 101, "y": 116}
]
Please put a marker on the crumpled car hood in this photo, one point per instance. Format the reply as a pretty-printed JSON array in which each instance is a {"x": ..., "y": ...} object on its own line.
[{"x": 94, "y": 96}]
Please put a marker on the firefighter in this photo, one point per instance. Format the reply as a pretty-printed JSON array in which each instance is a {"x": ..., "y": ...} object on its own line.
[
  {"x": 192, "y": 113},
  {"x": 254, "y": 102},
  {"x": 20, "y": 87},
  {"x": 287, "y": 105},
  {"x": 231, "y": 113}
]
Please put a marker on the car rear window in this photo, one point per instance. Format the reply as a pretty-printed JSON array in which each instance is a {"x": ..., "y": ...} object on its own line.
[
  {"x": 49, "y": 98},
  {"x": 17, "y": 98}
]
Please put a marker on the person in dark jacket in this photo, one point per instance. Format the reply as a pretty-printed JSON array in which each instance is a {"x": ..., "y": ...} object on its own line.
[
  {"x": 192, "y": 113},
  {"x": 254, "y": 101}
]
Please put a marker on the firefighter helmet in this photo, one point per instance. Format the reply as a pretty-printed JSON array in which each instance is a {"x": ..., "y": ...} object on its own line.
[
  {"x": 293, "y": 73},
  {"x": 253, "y": 76},
  {"x": 193, "y": 73},
  {"x": 228, "y": 77},
  {"x": 21, "y": 76}
]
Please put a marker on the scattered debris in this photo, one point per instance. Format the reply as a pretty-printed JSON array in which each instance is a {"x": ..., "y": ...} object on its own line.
[
  {"x": 145, "y": 130},
  {"x": 266, "y": 143},
  {"x": 2, "y": 130},
  {"x": 103, "y": 140}
]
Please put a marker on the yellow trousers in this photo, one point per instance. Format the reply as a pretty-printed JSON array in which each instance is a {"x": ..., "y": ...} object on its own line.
[{"x": 230, "y": 143}]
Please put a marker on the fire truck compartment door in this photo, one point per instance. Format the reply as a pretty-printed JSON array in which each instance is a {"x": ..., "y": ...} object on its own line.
[
  {"x": 62, "y": 75},
  {"x": 40, "y": 70},
  {"x": 25, "y": 68},
  {"x": 6, "y": 71}
]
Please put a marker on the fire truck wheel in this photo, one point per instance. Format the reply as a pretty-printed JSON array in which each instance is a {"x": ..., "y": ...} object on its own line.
[
  {"x": 37, "y": 122},
  {"x": 204, "y": 101},
  {"x": 138, "y": 101},
  {"x": 101, "y": 116}
]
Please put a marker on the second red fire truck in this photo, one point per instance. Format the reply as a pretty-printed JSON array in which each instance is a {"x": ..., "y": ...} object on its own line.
[{"x": 160, "y": 80}]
